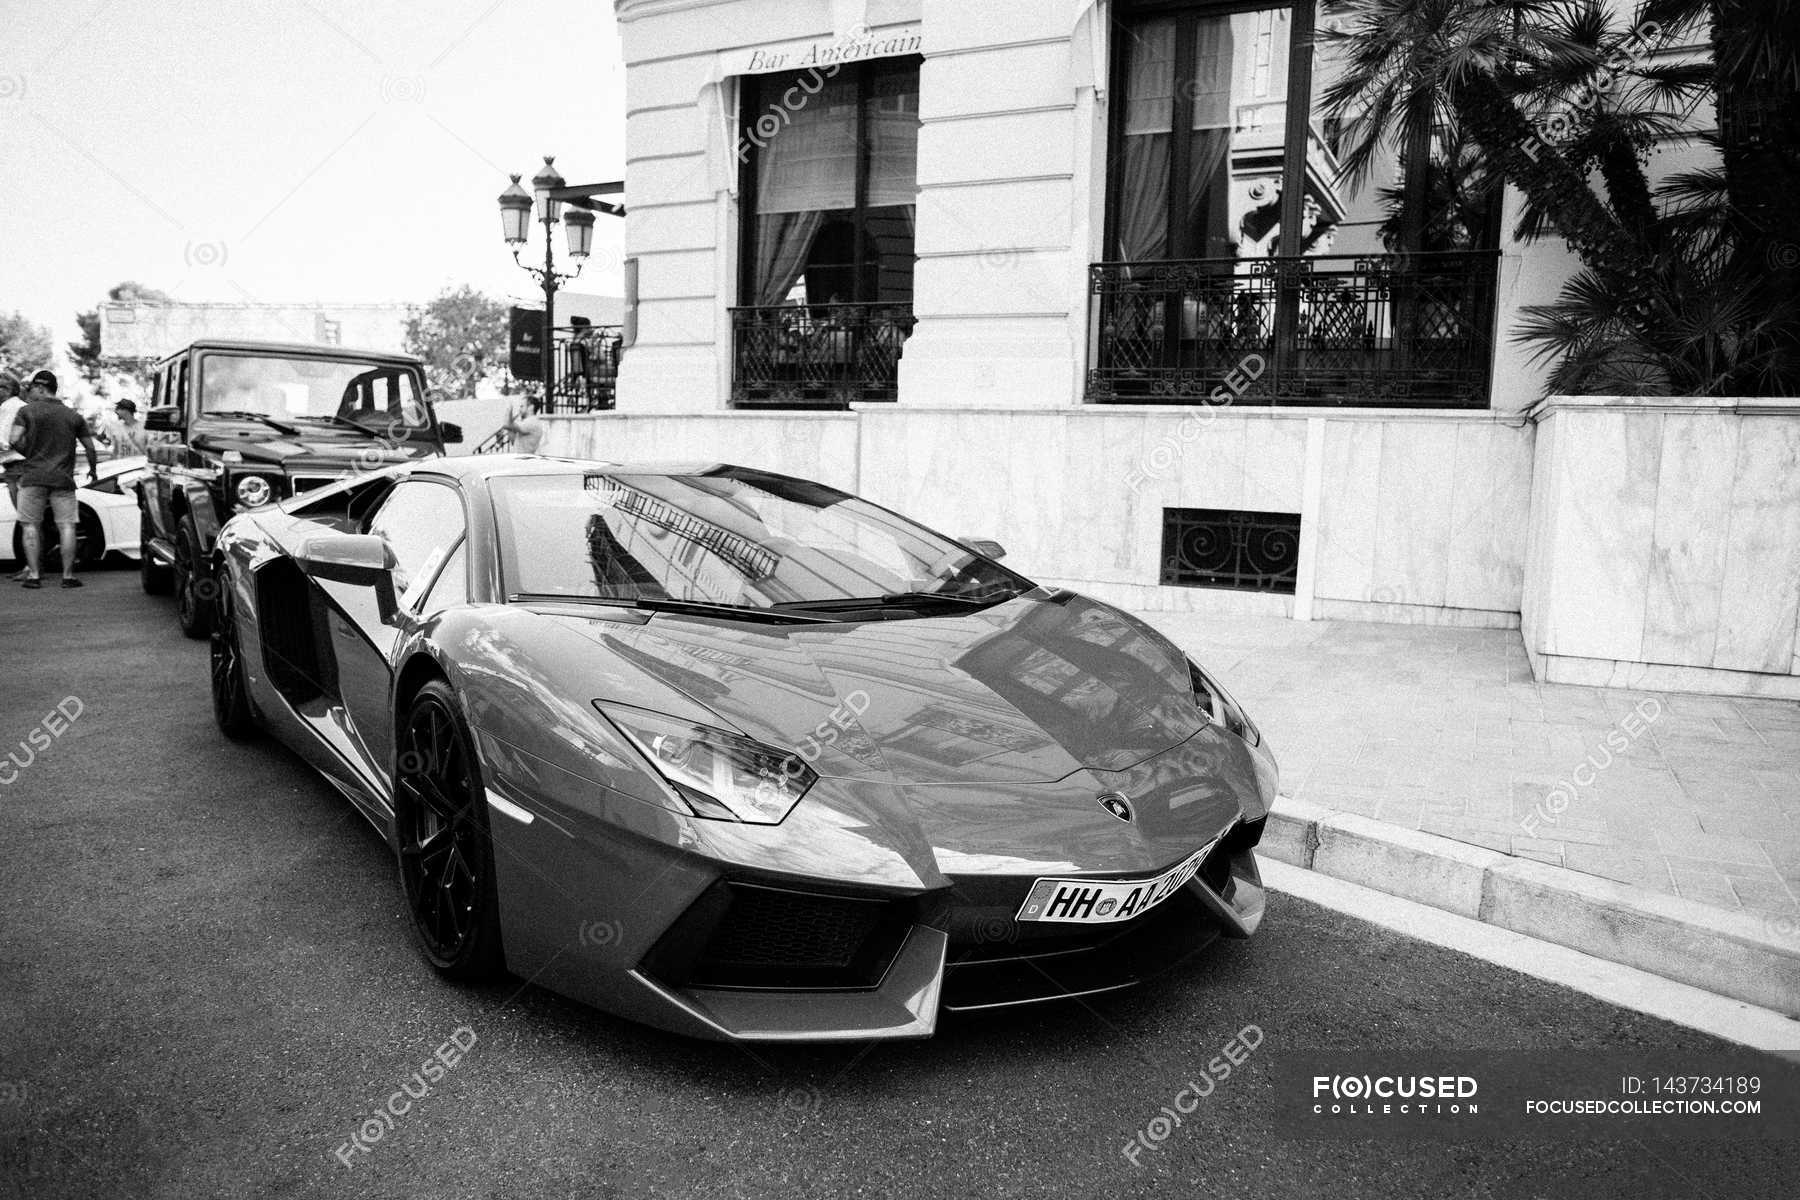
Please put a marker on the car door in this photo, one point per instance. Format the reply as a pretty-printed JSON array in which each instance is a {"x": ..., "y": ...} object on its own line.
[
  {"x": 170, "y": 456},
  {"x": 423, "y": 524}
]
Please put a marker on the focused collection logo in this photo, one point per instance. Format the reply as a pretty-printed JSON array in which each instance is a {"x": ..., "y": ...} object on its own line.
[{"x": 1394, "y": 1095}]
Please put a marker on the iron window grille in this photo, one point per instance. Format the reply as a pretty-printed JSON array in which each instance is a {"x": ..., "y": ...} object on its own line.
[{"x": 1236, "y": 549}]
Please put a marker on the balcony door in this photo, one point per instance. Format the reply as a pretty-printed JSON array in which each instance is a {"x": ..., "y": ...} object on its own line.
[
  {"x": 1243, "y": 264},
  {"x": 829, "y": 190},
  {"x": 1198, "y": 148}
]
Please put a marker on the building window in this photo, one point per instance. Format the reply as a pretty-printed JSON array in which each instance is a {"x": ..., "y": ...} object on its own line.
[
  {"x": 829, "y": 191},
  {"x": 1204, "y": 106},
  {"x": 1234, "y": 237},
  {"x": 1237, "y": 549}
]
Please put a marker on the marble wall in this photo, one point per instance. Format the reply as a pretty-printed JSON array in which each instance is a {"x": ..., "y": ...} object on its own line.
[{"x": 1666, "y": 544}]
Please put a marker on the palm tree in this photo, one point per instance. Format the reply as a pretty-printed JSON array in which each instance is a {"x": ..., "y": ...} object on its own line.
[{"x": 1549, "y": 91}]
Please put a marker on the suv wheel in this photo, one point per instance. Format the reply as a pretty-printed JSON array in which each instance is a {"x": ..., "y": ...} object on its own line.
[
  {"x": 194, "y": 585},
  {"x": 155, "y": 577}
]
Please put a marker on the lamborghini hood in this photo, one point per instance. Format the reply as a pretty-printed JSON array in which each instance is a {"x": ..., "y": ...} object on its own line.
[{"x": 1027, "y": 691}]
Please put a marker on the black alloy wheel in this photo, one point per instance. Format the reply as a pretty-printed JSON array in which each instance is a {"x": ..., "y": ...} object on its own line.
[
  {"x": 232, "y": 710},
  {"x": 441, "y": 832},
  {"x": 194, "y": 584}
]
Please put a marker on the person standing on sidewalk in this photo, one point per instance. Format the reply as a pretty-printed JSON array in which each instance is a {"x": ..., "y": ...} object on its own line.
[
  {"x": 46, "y": 433},
  {"x": 126, "y": 432},
  {"x": 526, "y": 427},
  {"x": 11, "y": 461}
]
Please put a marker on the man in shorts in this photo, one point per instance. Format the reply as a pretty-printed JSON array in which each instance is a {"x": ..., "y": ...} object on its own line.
[{"x": 46, "y": 432}]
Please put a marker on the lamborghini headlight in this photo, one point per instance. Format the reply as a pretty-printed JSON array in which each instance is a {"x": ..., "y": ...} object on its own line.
[
  {"x": 1217, "y": 703},
  {"x": 720, "y": 774}
]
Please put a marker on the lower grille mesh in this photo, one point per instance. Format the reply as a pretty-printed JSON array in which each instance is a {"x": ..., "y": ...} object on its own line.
[{"x": 769, "y": 928}]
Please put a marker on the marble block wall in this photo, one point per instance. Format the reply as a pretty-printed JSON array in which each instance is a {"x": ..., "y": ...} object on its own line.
[
  {"x": 820, "y": 446},
  {"x": 1665, "y": 544}
]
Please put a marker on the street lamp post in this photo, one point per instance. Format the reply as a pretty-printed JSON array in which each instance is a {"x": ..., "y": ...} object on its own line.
[{"x": 552, "y": 193}]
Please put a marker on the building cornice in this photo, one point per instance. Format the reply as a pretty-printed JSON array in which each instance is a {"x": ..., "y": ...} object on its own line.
[{"x": 635, "y": 10}]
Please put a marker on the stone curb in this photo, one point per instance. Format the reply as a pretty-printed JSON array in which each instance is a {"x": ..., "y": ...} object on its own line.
[{"x": 1749, "y": 958}]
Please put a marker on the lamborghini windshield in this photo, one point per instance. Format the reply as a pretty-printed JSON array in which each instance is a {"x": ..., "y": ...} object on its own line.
[
  {"x": 728, "y": 536},
  {"x": 371, "y": 395}
]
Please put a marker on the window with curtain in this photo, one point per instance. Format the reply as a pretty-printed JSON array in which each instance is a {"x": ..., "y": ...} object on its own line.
[
  {"x": 1217, "y": 77},
  {"x": 830, "y": 184}
]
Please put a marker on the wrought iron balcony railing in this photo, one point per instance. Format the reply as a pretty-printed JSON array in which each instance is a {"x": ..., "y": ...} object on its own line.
[
  {"x": 817, "y": 355},
  {"x": 587, "y": 368},
  {"x": 1403, "y": 330}
]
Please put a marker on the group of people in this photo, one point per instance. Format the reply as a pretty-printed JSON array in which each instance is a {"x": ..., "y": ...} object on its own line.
[{"x": 38, "y": 437}]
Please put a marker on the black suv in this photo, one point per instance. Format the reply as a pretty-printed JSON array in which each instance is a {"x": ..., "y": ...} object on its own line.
[{"x": 237, "y": 425}]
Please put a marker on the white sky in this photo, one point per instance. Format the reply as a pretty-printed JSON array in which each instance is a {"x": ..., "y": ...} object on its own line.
[{"x": 291, "y": 150}]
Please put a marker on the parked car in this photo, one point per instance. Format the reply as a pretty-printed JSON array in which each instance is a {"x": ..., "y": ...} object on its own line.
[
  {"x": 246, "y": 424},
  {"x": 108, "y": 522},
  {"x": 737, "y": 754}
]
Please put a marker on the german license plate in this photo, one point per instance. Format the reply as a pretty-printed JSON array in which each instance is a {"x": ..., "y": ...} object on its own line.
[{"x": 1104, "y": 901}]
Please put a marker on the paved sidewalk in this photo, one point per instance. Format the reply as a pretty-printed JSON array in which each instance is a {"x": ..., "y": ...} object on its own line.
[{"x": 1444, "y": 731}]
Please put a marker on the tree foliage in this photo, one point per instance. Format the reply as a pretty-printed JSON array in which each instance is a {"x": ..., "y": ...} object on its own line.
[
  {"x": 25, "y": 346},
  {"x": 86, "y": 353},
  {"x": 1686, "y": 285},
  {"x": 462, "y": 337}
]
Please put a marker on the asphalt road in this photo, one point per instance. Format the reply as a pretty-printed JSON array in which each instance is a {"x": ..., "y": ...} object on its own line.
[{"x": 207, "y": 988}]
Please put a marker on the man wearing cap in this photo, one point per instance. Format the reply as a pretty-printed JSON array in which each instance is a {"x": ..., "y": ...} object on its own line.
[
  {"x": 126, "y": 432},
  {"x": 46, "y": 432}
]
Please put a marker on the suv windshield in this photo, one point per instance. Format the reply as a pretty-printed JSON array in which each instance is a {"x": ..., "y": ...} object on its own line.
[
  {"x": 375, "y": 395},
  {"x": 729, "y": 536}
]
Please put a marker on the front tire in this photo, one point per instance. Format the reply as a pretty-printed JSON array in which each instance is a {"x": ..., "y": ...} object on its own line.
[
  {"x": 230, "y": 691},
  {"x": 441, "y": 831},
  {"x": 195, "y": 588}
]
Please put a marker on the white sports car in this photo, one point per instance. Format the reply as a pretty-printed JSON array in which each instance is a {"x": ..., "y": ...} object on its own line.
[{"x": 109, "y": 515}]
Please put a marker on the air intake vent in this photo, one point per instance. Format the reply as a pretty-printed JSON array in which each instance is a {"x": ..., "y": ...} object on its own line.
[
  {"x": 1237, "y": 549},
  {"x": 743, "y": 935}
]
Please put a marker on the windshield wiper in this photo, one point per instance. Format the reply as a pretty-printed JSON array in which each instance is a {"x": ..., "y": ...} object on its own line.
[
  {"x": 271, "y": 422},
  {"x": 692, "y": 608},
  {"x": 895, "y": 600},
  {"x": 372, "y": 431}
]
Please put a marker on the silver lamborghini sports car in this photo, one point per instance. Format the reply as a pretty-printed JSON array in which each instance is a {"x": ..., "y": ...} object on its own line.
[{"x": 736, "y": 754}]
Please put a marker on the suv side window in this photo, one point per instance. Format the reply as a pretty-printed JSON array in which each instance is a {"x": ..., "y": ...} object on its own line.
[{"x": 422, "y": 522}]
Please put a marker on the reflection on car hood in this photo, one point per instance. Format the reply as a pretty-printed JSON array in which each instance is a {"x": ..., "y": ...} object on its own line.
[{"x": 1026, "y": 691}]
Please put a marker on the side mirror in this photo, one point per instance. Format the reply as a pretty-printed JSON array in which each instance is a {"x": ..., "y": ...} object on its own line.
[
  {"x": 450, "y": 433},
  {"x": 163, "y": 419},
  {"x": 357, "y": 559},
  {"x": 986, "y": 547}
]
